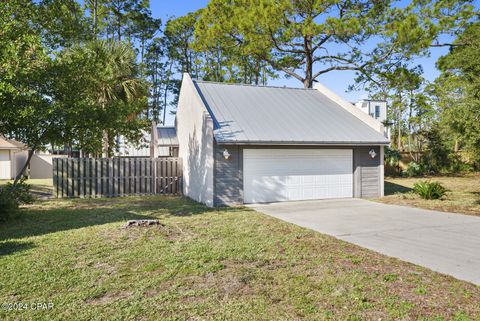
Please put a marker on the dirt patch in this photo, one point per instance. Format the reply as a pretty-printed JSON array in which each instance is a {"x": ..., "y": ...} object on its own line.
[
  {"x": 232, "y": 281},
  {"x": 142, "y": 223}
]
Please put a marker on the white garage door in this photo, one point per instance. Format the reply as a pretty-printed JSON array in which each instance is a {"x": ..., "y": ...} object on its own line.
[
  {"x": 275, "y": 175},
  {"x": 5, "y": 169}
]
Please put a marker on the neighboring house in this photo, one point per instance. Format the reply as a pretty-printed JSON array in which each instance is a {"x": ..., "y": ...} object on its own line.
[
  {"x": 13, "y": 156},
  {"x": 167, "y": 145},
  {"x": 249, "y": 144},
  {"x": 376, "y": 109},
  {"x": 167, "y": 142}
]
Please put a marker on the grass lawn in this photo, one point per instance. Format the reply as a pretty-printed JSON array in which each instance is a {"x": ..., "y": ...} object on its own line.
[
  {"x": 224, "y": 264},
  {"x": 40, "y": 187},
  {"x": 464, "y": 195}
]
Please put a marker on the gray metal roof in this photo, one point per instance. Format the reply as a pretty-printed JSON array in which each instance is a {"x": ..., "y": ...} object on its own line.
[
  {"x": 167, "y": 136},
  {"x": 245, "y": 114}
]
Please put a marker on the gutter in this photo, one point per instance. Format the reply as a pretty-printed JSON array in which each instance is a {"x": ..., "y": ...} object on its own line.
[{"x": 293, "y": 143}]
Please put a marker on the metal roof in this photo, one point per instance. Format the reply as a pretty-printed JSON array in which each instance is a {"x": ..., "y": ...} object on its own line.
[
  {"x": 245, "y": 114},
  {"x": 167, "y": 136}
]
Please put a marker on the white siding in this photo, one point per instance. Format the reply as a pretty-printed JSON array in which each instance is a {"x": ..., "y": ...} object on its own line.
[
  {"x": 41, "y": 165},
  {"x": 195, "y": 137},
  {"x": 5, "y": 165},
  {"x": 20, "y": 160}
]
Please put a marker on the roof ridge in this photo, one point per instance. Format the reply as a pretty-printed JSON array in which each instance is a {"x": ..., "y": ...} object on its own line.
[{"x": 249, "y": 85}]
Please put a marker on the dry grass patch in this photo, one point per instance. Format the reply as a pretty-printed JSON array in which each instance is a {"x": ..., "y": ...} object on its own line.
[{"x": 463, "y": 196}]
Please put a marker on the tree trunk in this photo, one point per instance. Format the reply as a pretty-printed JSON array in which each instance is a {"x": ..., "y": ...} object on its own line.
[
  {"x": 187, "y": 60},
  {"x": 105, "y": 144},
  {"x": 95, "y": 17},
  {"x": 399, "y": 138},
  {"x": 410, "y": 114},
  {"x": 27, "y": 163},
  {"x": 167, "y": 83},
  {"x": 308, "y": 80},
  {"x": 142, "y": 46}
]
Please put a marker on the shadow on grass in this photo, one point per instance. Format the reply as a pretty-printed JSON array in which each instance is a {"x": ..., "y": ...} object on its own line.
[
  {"x": 477, "y": 196},
  {"x": 42, "y": 191},
  {"x": 61, "y": 215},
  {"x": 7, "y": 248},
  {"x": 392, "y": 188}
]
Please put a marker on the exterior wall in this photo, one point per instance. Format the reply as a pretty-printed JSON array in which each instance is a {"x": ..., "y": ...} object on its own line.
[
  {"x": 195, "y": 138},
  {"x": 127, "y": 149},
  {"x": 228, "y": 177},
  {"x": 366, "y": 172},
  {"x": 5, "y": 164},
  {"x": 41, "y": 166},
  {"x": 382, "y": 171},
  {"x": 20, "y": 160},
  {"x": 368, "y": 107}
]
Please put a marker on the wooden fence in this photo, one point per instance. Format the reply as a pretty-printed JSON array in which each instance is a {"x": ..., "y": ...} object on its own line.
[{"x": 110, "y": 177}]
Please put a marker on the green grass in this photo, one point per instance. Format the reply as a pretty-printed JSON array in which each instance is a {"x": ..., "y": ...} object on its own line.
[
  {"x": 40, "y": 187},
  {"x": 463, "y": 196},
  {"x": 224, "y": 264}
]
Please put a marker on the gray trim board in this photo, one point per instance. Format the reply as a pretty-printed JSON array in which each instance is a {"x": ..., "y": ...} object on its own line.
[
  {"x": 228, "y": 176},
  {"x": 366, "y": 172}
]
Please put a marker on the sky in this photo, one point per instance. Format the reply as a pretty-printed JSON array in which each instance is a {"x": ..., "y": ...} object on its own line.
[{"x": 338, "y": 81}]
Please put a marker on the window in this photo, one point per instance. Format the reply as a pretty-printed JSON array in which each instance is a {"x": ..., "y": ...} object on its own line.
[
  {"x": 173, "y": 151},
  {"x": 377, "y": 112}
]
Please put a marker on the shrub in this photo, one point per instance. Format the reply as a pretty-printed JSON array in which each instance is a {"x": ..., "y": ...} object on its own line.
[
  {"x": 12, "y": 196},
  {"x": 414, "y": 169},
  {"x": 392, "y": 156},
  {"x": 457, "y": 165},
  {"x": 429, "y": 190}
]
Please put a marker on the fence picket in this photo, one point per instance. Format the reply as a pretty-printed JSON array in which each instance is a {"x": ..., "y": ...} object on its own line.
[{"x": 113, "y": 177}]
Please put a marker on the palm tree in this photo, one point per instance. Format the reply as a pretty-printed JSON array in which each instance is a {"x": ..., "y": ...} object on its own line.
[{"x": 116, "y": 77}]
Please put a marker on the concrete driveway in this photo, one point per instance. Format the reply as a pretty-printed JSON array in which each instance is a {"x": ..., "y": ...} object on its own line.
[{"x": 444, "y": 242}]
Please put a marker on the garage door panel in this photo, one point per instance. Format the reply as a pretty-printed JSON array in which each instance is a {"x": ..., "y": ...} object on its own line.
[
  {"x": 266, "y": 188},
  {"x": 283, "y": 175}
]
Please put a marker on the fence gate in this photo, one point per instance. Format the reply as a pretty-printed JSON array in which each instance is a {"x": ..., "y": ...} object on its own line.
[{"x": 110, "y": 177}]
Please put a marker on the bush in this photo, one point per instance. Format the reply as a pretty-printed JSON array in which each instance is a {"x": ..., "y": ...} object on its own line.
[
  {"x": 457, "y": 165},
  {"x": 392, "y": 156},
  {"x": 414, "y": 169},
  {"x": 429, "y": 190},
  {"x": 12, "y": 196}
]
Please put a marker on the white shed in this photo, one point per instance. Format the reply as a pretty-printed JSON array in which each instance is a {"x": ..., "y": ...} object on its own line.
[{"x": 13, "y": 156}]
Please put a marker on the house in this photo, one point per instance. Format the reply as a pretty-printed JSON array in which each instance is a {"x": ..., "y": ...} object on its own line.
[
  {"x": 13, "y": 156},
  {"x": 376, "y": 109},
  {"x": 250, "y": 144},
  {"x": 166, "y": 146}
]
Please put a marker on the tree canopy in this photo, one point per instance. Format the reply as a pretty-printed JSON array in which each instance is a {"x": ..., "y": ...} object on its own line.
[
  {"x": 457, "y": 89},
  {"x": 59, "y": 85},
  {"x": 305, "y": 39}
]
